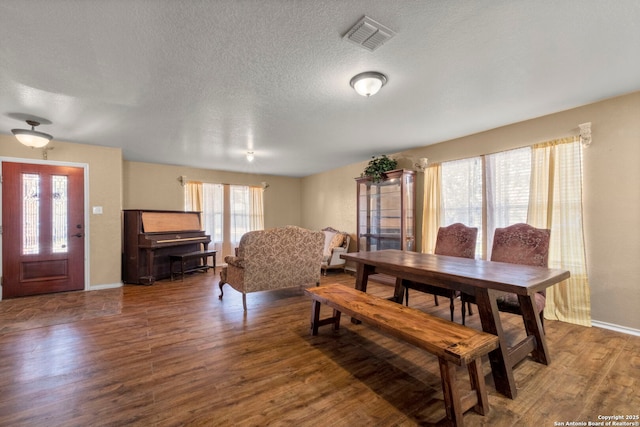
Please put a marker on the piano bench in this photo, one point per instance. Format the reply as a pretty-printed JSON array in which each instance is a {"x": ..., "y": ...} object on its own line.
[{"x": 183, "y": 258}]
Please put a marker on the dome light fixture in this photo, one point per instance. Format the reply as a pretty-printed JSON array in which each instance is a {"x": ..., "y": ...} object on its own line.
[
  {"x": 32, "y": 138},
  {"x": 368, "y": 83}
]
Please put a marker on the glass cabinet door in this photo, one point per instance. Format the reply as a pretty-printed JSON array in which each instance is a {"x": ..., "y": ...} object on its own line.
[{"x": 386, "y": 212}]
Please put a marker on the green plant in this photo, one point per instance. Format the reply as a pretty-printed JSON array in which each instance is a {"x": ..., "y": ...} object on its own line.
[{"x": 378, "y": 166}]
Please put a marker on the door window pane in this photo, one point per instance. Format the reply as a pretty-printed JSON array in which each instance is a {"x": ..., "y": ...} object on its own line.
[
  {"x": 59, "y": 205},
  {"x": 30, "y": 213}
]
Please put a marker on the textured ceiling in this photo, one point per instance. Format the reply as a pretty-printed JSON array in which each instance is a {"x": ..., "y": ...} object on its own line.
[{"x": 199, "y": 83}]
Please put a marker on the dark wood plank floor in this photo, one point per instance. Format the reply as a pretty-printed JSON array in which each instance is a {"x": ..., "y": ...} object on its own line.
[{"x": 173, "y": 354}]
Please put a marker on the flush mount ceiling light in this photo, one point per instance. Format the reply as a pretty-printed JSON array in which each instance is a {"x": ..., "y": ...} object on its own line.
[
  {"x": 250, "y": 156},
  {"x": 368, "y": 83},
  {"x": 32, "y": 138}
]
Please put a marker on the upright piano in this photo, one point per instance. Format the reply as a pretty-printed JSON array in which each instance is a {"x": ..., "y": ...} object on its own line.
[{"x": 151, "y": 235}]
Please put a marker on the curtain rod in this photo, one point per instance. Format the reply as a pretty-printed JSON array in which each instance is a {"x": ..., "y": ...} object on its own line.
[
  {"x": 565, "y": 140},
  {"x": 183, "y": 180}
]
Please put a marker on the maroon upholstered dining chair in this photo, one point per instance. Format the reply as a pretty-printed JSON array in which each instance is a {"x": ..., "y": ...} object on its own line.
[
  {"x": 454, "y": 240},
  {"x": 518, "y": 244}
]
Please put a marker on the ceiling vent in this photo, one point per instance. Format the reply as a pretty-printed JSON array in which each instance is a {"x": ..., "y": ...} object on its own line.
[{"x": 369, "y": 34}]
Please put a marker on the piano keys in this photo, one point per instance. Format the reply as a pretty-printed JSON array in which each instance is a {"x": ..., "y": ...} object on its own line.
[{"x": 149, "y": 236}]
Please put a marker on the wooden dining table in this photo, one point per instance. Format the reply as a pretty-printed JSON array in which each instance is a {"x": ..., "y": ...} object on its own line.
[{"x": 485, "y": 280}]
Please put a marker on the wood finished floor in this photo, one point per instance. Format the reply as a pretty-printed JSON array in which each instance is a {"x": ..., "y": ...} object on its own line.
[{"x": 173, "y": 354}]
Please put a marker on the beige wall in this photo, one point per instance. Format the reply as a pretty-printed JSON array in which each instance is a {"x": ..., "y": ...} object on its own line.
[
  {"x": 154, "y": 186},
  {"x": 611, "y": 193},
  {"x": 105, "y": 189},
  {"x": 329, "y": 200}
]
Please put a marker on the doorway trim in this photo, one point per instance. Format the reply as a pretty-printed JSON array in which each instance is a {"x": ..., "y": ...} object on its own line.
[{"x": 87, "y": 245}]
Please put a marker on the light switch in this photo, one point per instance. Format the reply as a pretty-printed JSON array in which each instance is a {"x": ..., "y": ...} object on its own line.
[{"x": 97, "y": 210}]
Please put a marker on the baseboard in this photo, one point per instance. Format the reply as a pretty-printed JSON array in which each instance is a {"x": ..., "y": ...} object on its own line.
[
  {"x": 105, "y": 286},
  {"x": 614, "y": 327}
]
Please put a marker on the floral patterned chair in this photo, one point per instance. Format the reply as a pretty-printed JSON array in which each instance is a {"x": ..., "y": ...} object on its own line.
[
  {"x": 335, "y": 243},
  {"x": 454, "y": 240},
  {"x": 519, "y": 244},
  {"x": 274, "y": 259}
]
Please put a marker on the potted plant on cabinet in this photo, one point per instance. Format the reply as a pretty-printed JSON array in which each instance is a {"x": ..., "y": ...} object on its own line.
[{"x": 377, "y": 166}]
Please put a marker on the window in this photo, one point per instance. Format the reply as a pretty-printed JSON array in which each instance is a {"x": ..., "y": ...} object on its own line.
[
  {"x": 539, "y": 185},
  {"x": 462, "y": 195},
  {"x": 508, "y": 176},
  {"x": 487, "y": 192},
  {"x": 228, "y": 212},
  {"x": 212, "y": 213},
  {"x": 240, "y": 212}
]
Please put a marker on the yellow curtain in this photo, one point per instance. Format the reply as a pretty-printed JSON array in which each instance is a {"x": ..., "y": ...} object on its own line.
[
  {"x": 256, "y": 208},
  {"x": 555, "y": 202},
  {"x": 431, "y": 209},
  {"x": 193, "y": 196}
]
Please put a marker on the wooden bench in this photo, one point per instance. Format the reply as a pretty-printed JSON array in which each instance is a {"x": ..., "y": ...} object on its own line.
[
  {"x": 453, "y": 344},
  {"x": 186, "y": 257}
]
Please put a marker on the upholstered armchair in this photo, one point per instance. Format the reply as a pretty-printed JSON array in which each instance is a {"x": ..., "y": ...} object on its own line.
[
  {"x": 454, "y": 240},
  {"x": 273, "y": 259},
  {"x": 519, "y": 244},
  {"x": 335, "y": 243}
]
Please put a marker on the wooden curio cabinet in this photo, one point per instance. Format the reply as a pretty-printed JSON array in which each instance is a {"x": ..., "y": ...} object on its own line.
[{"x": 386, "y": 212}]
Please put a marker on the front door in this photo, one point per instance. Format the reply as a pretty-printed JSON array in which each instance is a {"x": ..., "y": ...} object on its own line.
[{"x": 42, "y": 229}]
